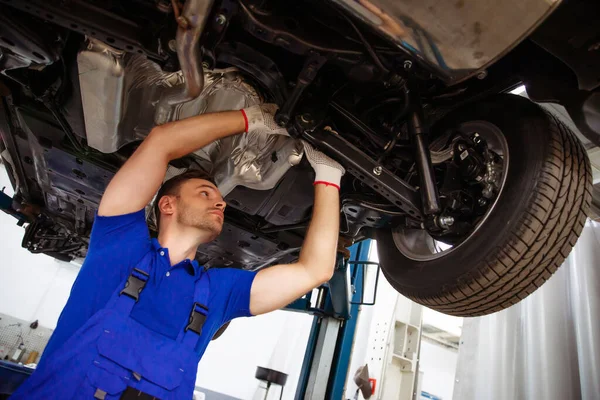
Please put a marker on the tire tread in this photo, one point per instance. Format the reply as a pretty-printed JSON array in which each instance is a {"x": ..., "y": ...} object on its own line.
[{"x": 546, "y": 232}]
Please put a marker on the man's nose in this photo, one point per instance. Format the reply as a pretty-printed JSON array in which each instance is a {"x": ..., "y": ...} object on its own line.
[{"x": 221, "y": 205}]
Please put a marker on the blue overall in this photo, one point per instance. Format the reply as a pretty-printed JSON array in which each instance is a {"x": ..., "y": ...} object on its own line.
[{"x": 114, "y": 349}]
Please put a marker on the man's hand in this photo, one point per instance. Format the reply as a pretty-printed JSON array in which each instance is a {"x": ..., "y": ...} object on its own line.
[
  {"x": 327, "y": 171},
  {"x": 278, "y": 286},
  {"x": 261, "y": 119}
]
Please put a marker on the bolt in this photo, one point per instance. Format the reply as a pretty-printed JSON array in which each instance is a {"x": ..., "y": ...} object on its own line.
[
  {"x": 221, "y": 19},
  {"x": 482, "y": 75},
  {"x": 377, "y": 170},
  {"x": 282, "y": 120},
  {"x": 173, "y": 45},
  {"x": 183, "y": 22},
  {"x": 205, "y": 65},
  {"x": 407, "y": 65},
  {"x": 445, "y": 222}
]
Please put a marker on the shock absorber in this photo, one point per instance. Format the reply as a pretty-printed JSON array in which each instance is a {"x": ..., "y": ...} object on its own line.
[{"x": 418, "y": 132}]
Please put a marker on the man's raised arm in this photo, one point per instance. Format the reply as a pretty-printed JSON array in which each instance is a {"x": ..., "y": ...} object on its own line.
[
  {"x": 277, "y": 286},
  {"x": 139, "y": 178}
]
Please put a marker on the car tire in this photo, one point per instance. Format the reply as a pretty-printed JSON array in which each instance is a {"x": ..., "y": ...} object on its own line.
[{"x": 535, "y": 223}]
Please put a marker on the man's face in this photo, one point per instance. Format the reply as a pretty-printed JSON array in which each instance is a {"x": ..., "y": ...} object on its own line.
[{"x": 200, "y": 205}]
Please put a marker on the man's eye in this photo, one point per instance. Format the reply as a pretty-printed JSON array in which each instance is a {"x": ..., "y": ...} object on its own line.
[{"x": 205, "y": 194}]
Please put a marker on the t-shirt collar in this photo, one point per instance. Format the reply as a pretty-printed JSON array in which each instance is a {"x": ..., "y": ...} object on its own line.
[{"x": 157, "y": 248}]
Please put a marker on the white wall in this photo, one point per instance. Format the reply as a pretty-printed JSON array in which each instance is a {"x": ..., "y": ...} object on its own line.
[
  {"x": 35, "y": 286},
  {"x": 438, "y": 363},
  {"x": 276, "y": 340}
]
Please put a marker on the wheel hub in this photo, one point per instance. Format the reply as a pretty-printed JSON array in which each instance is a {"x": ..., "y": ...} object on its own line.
[{"x": 473, "y": 170}]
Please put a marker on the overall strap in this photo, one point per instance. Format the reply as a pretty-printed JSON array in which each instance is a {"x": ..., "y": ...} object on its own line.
[
  {"x": 199, "y": 312},
  {"x": 130, "y": 293}
]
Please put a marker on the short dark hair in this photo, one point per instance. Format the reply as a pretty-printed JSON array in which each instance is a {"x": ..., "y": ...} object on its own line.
[{"x": 171, "y": 187}]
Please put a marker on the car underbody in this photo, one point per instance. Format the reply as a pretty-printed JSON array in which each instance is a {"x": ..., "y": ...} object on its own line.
[{"x": 85, "y": 82}]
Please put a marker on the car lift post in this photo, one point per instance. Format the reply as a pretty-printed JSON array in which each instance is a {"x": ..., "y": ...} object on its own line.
[{"x": 326, "y": 361}]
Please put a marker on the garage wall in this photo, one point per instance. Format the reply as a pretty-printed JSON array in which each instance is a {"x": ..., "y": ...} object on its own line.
[
  {"x": 276, "y": 340},
  {"x": 438, "y": 364},
  {"x": 37, "y": 287},
  {"x": 545, "y": 347}
]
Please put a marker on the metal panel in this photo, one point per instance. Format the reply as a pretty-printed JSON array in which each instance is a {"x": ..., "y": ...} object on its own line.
[
  {"x": 454, "y": 39},
  {"x": 322, "y": 362},
  {"x": 545, "y": 347},
  {"x": 306, "y": 363},
  {"x": 86, "y": 18}
]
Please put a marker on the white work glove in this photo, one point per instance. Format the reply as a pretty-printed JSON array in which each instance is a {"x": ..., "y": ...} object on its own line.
[
  {"x": 327, "y": 171},
  {"x": 260, "y": 118}
]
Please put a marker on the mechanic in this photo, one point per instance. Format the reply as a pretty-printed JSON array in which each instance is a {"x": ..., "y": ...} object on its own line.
[{"x": 142, "y": 311}]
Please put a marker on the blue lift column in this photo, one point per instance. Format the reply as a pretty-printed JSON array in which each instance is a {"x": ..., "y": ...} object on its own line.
[{"x": 329, "y": 347}]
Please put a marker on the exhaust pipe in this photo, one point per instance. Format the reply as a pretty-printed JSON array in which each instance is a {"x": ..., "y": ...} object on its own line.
[{"x": 191, "y": 25}]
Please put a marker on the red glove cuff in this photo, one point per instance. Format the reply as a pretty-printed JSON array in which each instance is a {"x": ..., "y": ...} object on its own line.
[
  {"x": 326, "y": 184},
  {"x": 245, "y": 120}
]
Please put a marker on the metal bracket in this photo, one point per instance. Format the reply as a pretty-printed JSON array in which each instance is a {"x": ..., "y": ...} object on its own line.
[
  {"x": 364, "y": 212},
  {"x": 397, "y": 191}
]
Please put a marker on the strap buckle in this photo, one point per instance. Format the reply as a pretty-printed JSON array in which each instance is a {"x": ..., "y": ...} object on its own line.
[
  {"x": 197, "y": 318},
  {"x": 135, "y": 284}
]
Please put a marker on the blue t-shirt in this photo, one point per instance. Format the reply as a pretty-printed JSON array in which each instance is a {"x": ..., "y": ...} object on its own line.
[{"x": 117, "y": 244}]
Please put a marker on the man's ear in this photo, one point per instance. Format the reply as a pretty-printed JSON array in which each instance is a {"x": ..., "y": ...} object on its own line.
[{"x": 166, "y": 205}]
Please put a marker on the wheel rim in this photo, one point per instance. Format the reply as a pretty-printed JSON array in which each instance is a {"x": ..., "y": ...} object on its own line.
[{"x": 418, "y": 244}]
